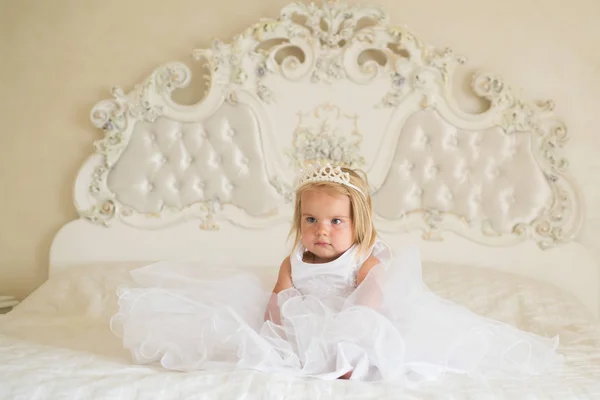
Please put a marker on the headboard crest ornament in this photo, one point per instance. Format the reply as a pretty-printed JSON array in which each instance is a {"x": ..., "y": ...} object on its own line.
[
  {"x": 331, "y": 84},
  {"x": 327, "y": 135}
]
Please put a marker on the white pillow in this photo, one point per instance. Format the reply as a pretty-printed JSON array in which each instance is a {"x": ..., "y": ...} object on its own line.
[
  {"x": 91, "y": 290},
  {"x": 524, "y": 302},
  {"x": 83, "y": 290}
]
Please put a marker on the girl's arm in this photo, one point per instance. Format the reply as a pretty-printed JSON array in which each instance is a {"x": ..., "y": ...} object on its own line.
[
  {"x": 284, "y": 281},
  {"x": 365, "y": 269},
  {"x": 369, "y": 293}
]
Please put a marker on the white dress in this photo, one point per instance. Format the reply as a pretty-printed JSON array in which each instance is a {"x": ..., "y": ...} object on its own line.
[{"x": 391, "y": 327}]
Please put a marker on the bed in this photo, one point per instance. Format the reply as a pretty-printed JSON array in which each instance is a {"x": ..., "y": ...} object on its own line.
[{"x": 487, "y": 196}]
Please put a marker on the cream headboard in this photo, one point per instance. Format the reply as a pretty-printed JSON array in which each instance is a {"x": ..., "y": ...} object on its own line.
[{"x": 335, "y": 83}]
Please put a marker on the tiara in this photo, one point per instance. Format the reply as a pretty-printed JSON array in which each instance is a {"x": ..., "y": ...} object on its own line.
[{"x": 326, "y": 173}]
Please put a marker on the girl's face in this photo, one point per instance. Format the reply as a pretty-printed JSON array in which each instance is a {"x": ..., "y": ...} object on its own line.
[{"x": 326, "y": 225}]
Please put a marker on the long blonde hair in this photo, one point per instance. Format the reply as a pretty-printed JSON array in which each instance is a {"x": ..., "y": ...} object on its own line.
[{"x": 361, "y": 209}]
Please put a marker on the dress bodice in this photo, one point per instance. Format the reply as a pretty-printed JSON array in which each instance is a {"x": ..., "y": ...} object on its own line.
[{"x": 334, "y": 278}]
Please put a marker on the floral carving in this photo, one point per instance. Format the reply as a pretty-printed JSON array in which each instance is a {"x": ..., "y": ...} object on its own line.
[
  {"x": 327, "y": 69},
  {"x": 101, "y": 213},
  {"x": 284, "y": 190},
  {"x": 335, "y": 23},
  {"x": 327, "y": 135}
]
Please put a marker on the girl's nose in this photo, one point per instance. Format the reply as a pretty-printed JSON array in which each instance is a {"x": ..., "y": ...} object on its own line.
[{"x": 323, "y": 228}]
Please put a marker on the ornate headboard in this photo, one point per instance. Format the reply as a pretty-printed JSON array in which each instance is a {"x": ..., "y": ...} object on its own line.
[{"x": 336, "y": 83}]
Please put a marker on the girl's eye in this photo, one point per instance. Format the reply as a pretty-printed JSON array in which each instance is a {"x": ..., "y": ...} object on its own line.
[
  {"x": 336, "y": 221},
  {"x": 311, "y": 220}
]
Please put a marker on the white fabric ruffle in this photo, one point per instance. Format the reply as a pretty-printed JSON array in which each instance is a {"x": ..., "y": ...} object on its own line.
[{"x": 390, "y": 328}]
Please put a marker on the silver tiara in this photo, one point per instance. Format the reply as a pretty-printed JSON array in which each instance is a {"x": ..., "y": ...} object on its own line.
[{"x": 326, "y": 173}]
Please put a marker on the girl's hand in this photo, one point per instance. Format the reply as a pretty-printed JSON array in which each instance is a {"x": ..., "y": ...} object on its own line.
[{"x": 347, "y": 375}]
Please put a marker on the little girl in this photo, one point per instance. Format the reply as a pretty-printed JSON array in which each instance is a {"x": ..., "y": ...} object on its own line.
[{"x": 342, "y": 307}]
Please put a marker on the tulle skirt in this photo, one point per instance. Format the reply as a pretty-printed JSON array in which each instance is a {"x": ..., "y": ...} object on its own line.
[{"x": 391, "y": 327}]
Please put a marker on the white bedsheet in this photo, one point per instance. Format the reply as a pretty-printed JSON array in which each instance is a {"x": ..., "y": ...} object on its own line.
[{"x": 57, "y": 345}]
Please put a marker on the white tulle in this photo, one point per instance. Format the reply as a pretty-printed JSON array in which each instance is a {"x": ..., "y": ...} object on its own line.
[{"x": 391, "y": 327}]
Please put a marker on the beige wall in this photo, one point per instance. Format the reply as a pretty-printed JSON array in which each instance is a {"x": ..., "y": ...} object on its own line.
[{"x": 60, "y": 57}]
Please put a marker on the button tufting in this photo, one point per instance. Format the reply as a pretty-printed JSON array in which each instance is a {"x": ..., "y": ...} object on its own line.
[
  {"x": 406, "y": 166},
  {"x": 184, "y": 163}
]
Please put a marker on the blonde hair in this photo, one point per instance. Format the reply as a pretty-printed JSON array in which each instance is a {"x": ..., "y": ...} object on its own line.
[{"x": 361, "y": 209}]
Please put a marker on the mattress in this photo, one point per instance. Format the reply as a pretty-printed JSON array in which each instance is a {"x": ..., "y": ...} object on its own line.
[{"x": 57, "y": 345}]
